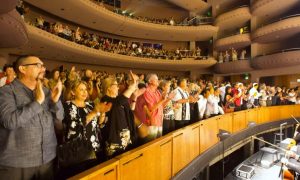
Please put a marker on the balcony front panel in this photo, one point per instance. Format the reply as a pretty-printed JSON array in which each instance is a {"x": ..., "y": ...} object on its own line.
[
  {"x": 50, "y": 46},
  {"x": 277, "y": 60},
  {"x": 236, "y": 41},
  {"x": 13, "y": 31},
  {"x": 99, "y": 18},
  {"x": 233, "y": 19},
  {"x": 277, "y": 31},
  {"x": 198, "y": 6},
  {"x": 239, "y": 66},
  {"x": 272, "y": 7},
  {"x": 7, "y": 5}
]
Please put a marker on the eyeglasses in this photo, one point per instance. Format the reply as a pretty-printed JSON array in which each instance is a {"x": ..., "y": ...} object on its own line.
[{"x": 39, "y": 65}]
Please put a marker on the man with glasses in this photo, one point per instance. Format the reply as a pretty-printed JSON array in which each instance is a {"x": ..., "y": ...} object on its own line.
[{"x": 27, "y": 113}]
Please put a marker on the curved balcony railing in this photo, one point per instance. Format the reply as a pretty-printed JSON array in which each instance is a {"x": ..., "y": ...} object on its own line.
[
  {"x": 163, "y": 158},
  {"x": 233, "y": 19},
  {"x": 13, "y": 31},
  {"x": 102, "y": 19},
  {"x": 278, "y": 30},
  {"x": 280, "y": 19},
  {"x": 236, "y": 41},
  {"x": 284, "y": 58},
  {"x": 239, "y": 66},
  {"x": 272, "y": 7}
]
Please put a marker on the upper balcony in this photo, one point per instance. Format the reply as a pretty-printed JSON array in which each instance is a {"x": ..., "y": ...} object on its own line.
[
  {"x": 233, "y": 19},
  {"x": 50, "y": 46},
  {"x": 13, "y": 31},
  {"x": 284, "y": 58},
  {"x": 278, "y": 30},
  {"x": 99, "y": 18},
  {"x": 236, "y": 41},
  {"x": 239, "y": 66},
  {"x": 197, "y": 6},
  {"x": 271, "y": 8}
]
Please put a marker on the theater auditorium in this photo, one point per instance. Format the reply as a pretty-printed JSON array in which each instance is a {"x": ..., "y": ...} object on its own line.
[{"x": 150, "y": 89}]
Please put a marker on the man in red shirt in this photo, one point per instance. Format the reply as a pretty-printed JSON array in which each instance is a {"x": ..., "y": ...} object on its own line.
[{"x": 155, "y": 103}]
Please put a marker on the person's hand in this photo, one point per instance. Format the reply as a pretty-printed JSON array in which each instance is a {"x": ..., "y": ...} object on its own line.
[
  {"x": 137, "y": 93},
  {"x": 103, "y": 107},
  {"x": 172, "y": 95},
  {"x": 39, "y": 93},
  {"x": 133, "y": 80},
  {"x": 56, "y": 91},
  {"x": 290, "y": 154}
]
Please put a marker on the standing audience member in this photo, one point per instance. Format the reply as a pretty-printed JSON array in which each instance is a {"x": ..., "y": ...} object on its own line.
[
  {"x": 168, "y": 111},
  {"x": 182, "y": 98},
  {"x": 27, "y": 112},
  {"x": 119, "y": 130},
  {"x": 83, "y": 119},
  {"x": 155, "y": 104},
  {"x": 9, "y": 75}
]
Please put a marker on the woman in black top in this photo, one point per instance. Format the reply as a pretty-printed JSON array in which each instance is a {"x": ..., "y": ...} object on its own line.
[
  {"x": 119, "y": 129},
  {"x": 82, "y": 119}
]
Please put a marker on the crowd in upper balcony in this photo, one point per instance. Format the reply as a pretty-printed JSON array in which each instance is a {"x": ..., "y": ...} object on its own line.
[
  {"x": 188, "y": 21},
  {"x": 137, "y": 49}
]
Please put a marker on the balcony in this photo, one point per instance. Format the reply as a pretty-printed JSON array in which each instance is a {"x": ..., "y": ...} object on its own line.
[
  {"x": 239, "y": 66},
  {"x": 198, "y": 6},
  {"x": 279, "y": 30},
  {"x": 236, "y": 41},
  {"x": 284, "y": 58},
  {"x": 233, "y": 19},
  {"x": 13, "y": 31},
  {"x": 271, "y": 8},
  {"x": 99, "y": 18},
  {"x": 50, "y": 46}
]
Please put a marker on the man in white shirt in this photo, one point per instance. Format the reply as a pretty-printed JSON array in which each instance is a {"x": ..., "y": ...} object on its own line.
[{"x": 182, "y": 113}]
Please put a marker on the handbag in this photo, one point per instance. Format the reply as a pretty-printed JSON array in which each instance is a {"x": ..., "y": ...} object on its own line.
[
  {"x": 229, "y": 107},
  {"x": 75, "y": 152}
]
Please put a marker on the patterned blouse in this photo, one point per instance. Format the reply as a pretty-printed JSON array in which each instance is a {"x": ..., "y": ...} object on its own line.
[{"x": 75, "y": 124}]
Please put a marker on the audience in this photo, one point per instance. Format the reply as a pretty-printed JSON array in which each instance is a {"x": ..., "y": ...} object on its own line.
[
  {"x": 117, "y": 112},
  {"x": 137, "y": 49},
  {"x": 232, "y": 56}
]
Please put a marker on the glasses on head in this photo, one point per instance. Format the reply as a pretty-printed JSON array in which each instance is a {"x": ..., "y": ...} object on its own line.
[{"x": 39, "y": 65}]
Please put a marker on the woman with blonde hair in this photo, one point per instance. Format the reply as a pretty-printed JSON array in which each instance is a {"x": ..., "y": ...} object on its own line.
[
  {"x": 119, "y": 130},
  {"x": 82, "y": 120}
]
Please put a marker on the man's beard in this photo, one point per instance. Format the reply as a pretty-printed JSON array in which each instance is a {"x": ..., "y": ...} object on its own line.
[{"x": 40, "y": 76}]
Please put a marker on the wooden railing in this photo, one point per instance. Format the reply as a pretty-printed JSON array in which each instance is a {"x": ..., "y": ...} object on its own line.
[{"x": 164, "y": 157}]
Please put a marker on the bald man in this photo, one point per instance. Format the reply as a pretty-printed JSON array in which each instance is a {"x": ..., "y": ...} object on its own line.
[{"x": 27, "y": 111}]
